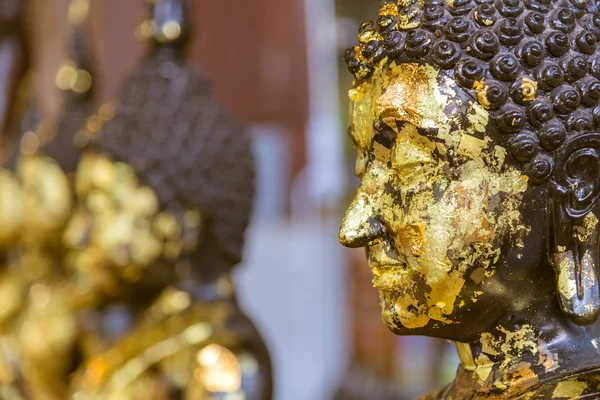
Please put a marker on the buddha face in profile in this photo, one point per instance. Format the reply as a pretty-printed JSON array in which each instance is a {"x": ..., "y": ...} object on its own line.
[
  {"x": 478, "y": 165},
  {"x": 438, "y": 204}
]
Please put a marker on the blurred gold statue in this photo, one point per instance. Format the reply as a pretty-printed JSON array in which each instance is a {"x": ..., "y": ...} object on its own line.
[
  {"x": 476, "y": 127},
  {"x": 118, "y": 242}
]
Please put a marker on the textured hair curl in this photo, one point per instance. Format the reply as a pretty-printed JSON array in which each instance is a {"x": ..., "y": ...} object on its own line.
[{"x": 534, "y": 64}]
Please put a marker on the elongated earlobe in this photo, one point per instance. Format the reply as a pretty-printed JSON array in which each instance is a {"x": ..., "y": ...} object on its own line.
[
  {"x": 576, "y": 266},
  {"x": 573, "y": 240}
]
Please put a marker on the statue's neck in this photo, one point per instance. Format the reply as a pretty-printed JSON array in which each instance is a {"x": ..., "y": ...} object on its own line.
[{"x": 511, "y": 361}]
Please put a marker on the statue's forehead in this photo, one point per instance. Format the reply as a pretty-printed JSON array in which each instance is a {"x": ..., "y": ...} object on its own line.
[{"x": 406, "y": 92}]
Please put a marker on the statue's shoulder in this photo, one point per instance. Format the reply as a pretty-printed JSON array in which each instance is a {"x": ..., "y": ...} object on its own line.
[{"x": 582, "y": 385}]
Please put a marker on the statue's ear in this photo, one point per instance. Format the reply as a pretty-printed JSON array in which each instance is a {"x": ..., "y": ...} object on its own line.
[{"x": 573, "y": 239}]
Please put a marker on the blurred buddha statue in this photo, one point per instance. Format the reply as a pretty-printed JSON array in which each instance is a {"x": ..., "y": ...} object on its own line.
[
  {"x": 163, "y": 197},
  {"x": 120, "y": 240},
  {"x": 476, "y": 127}
]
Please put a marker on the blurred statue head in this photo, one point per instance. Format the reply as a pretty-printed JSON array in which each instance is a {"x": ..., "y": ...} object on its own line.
[
  {"x": 176, "y": 168},
  {"x": 193, "y": 154},
  {"x": 475, "y": 127}
]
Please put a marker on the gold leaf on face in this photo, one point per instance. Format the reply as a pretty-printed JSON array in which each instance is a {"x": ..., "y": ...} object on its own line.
[
  {"x": 569, "y": 389},
  {"x": 381, "y": 152},
  {"x": 406, "y": 92},
  {"x": 470, "y": 146},
  {"x": 411, "y": 239},
  {"x": 437, "y": 221},
  {"x": 403, "y": 98}
]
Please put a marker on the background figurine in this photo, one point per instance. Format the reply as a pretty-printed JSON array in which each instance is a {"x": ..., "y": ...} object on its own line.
[
  {"x": 165, "y": 192},
  {"x": 474, "y": 125}
]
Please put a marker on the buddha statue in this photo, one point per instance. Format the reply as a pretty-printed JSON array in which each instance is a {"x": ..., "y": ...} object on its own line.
[
  {"x": 164, "y": 194},
  {"x": 120, "y": 236},
  {"x": 476, "y": 127}
]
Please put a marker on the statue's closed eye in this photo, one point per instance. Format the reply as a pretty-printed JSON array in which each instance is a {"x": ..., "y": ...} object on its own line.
[{"x": 386, "y": 132}]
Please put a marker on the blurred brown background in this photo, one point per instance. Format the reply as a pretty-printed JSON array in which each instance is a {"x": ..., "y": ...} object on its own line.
[{"x": 262, "y": 76}]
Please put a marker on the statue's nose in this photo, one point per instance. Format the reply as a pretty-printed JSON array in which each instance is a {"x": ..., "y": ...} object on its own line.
[{"x": 360, "y": 226}]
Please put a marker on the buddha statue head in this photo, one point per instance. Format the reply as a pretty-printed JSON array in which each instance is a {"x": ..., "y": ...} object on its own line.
[
  {"x": 180, "y": 173},
  {"x": 476, "y": 127}
]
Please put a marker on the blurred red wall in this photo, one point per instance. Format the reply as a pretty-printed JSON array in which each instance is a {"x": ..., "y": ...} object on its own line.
[{"x": 253, "y": 51}]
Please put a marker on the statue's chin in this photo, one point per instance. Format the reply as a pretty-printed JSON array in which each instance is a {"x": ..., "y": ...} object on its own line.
[{"x": 402, "y": 314}]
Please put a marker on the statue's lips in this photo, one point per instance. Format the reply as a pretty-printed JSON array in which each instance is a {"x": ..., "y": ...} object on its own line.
[{"x": 379, "y": 270}]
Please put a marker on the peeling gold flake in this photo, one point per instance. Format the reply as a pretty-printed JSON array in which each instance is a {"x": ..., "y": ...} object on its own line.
[
  {"x": 470, "y": 146},
  {"x": 585, "y": 231},
  {"x": 528, "y": 89},
  {"x": 570, "y": 389}
]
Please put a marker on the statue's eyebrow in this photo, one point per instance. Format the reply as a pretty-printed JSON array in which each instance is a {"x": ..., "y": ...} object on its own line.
[
  {"x": 386, "y": 131},
  {"x": 404, "y": 113}
]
